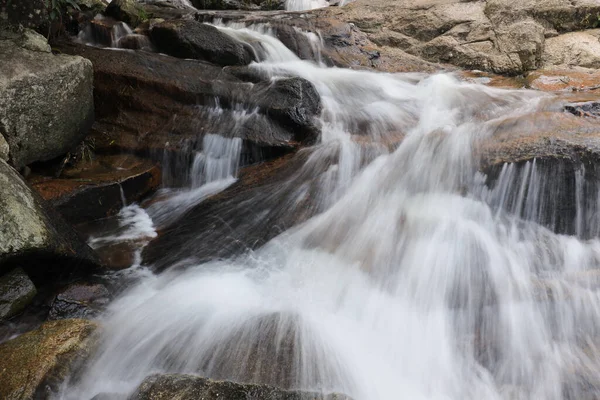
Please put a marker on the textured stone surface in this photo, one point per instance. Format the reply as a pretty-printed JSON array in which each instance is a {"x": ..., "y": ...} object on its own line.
[
  {"x": 16, "y": 292},
  {"x": 502, "y": 36},
  {"x": 189, "y": 387},
  {"x": 43, "y": 358},
  {"x": 46, "y": 101}
]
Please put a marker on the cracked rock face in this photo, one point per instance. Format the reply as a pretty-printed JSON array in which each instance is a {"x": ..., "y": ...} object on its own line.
[{"x": 501, "y": 36}]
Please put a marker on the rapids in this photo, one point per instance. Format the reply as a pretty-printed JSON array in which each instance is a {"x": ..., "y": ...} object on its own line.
[{"x": 415, "y": 280}]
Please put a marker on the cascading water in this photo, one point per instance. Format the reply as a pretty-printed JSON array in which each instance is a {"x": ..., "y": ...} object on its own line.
[{"x": 415, "y": 281}]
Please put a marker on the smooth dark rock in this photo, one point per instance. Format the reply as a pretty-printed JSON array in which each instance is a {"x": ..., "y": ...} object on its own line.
[
  {"x": 16, "y": 292},
  {"x": 80, "y": 300},
  {"x": 191, "y": 39},
  {"x": 190, "y": 387}
]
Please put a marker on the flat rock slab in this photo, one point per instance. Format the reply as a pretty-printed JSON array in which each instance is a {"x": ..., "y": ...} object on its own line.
[{"x": 96, "y": 189}]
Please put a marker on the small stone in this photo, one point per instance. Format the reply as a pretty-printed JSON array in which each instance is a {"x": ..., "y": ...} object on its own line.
[
  {"x": 16, "y": 292},
  {"x": 81, "y": 300}
]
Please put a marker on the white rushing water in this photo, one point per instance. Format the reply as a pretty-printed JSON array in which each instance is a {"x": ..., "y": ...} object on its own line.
[{"x": 416, "y": 282}]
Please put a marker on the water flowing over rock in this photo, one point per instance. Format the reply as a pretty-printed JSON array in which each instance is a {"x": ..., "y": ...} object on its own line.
[
  {"x": 188, "y": 387},
  {"x": 421, "y": 234},
  {"x": 34, "y": 364},
  {"x": 46, "y": 102},
  {"x": 34, "y": 237},
  {"x": 177, "y": 101}
]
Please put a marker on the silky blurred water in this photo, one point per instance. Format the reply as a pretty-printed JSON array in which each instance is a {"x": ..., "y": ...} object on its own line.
[{"x": 416, "y": 280}]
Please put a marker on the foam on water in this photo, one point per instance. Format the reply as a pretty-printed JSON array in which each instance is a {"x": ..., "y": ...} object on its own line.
[{"x": 417, "y": 281}]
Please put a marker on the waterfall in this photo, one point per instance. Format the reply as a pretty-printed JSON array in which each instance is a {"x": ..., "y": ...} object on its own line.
[{"x": 419, "y": 278}]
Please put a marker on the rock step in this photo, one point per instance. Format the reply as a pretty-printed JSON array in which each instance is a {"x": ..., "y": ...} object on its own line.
[{"x": 103, "y": 182}]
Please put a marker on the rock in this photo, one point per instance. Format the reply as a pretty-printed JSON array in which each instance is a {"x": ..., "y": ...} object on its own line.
[
  {"x": 564, "y": 151},
  {"x": 80, "y": 300},
  {"x": 173, "y": 104},
  {"x": 28, "y": 14},
  {"x": 190, "y": 39},
  {"x": 252, "y": 5},
  {"x": 190, "y": 387},
  {"x": 494, "y": 35},
  {"x": 34, "y": 237},
  {"x": 564, "y": 79},
  {"x": 16, "y": 292},
  {"x": 46, "y": 101},
  {"x": 324, "y": 36},
  {"x": 128, "y": 11},
  {"x": 586, "y": 109},
  {"x": 36, "y": 362},
  {"x": 576, "y": 48},
  {"x": 4, "y": 149},
  {"x": 94, "y": 189}
]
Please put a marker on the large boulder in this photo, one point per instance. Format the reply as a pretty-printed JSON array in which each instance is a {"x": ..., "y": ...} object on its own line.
[
  {"x": 46, "y": 100},
  {"x": 148, "y": 102},
  {"x": 576, "y": 48},
  {"x": 16, "y": 292},
  {"x": 191, "y": 39},
  {"x": 34, "y": 237},
  {"x": 190, "y": 387},
  {"x": 35, "y": 363}
]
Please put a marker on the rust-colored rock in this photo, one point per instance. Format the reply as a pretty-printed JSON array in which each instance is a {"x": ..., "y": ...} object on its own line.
[{"x": 95, "y": 189}]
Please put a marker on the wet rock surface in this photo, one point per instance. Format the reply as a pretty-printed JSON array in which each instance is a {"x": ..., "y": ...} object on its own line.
[
  {"x": 191, "y": 39},
  {"x": 79, "y": 300},
  {"x": 148, "y": 102},
  {"x": 189, "y": 387},
  {"x": 35, "y": 363},
  {"x": 104, "y": 182},
  {"x": 34, "y": 236},
  {"x": 16, "y": 292},
  {"x": 46, "y": 102}
]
